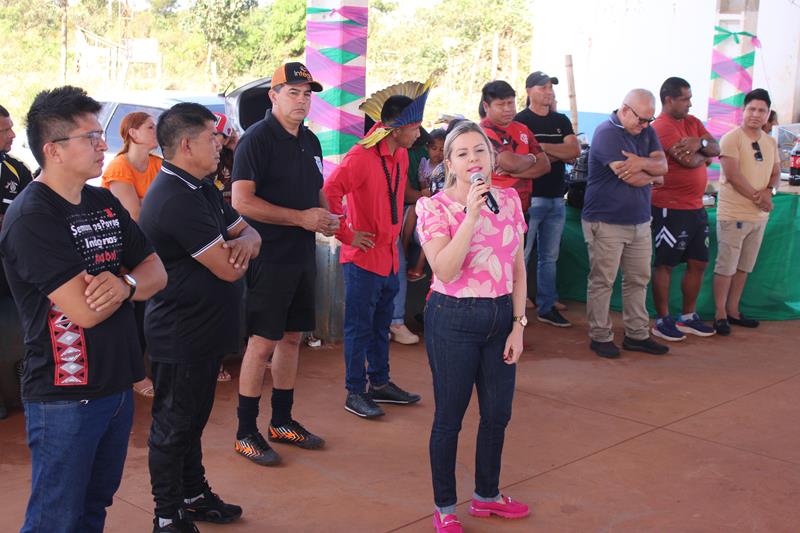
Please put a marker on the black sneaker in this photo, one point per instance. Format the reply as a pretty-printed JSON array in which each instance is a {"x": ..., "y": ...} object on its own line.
[
  {"x": 179, "y": 524},
  {"x": 647, "y": 345},
  {"x": 391, "y": 393},
  {"x": 255, "y": 448},
  {"x": 608, "y": 349},
  {"x": 295, "y": 433},
  {"x": 210, "y": 508},
  {"x": 743, "y": 321},
  {"x": 722, "y": 327},
  {"x": 554, "y": 318},
  {"x": 360, "y": 404}
]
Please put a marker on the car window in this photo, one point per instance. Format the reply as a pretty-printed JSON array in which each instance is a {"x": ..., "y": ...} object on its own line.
[
  {"x": 113, "y": 138},
  {"x": 216, "y": 108}
]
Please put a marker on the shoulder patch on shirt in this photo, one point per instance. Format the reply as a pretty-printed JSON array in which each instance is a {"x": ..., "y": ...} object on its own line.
[
  {"x": 524, "y": 138},
  {"x": 318, "y": 161}
]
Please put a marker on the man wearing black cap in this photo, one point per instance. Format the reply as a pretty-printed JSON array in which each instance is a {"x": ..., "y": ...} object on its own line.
[
  {"x": 277, "y": 184},
  {"x": 553, "y": 132}
]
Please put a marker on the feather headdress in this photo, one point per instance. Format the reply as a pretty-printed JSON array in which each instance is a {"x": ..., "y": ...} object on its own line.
[{"x": 412, "y": 114}]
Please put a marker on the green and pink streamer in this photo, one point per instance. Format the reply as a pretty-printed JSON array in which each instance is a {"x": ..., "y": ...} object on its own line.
[
  {"x": 726, "y": 114},
  {"x": 336, "y": 47}
]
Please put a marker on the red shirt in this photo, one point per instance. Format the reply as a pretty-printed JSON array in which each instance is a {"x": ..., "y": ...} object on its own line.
[
  {"x": 517, "y": 138},
  {"x": 683, "y": 187},
  {"x": 361, "y": 180}
]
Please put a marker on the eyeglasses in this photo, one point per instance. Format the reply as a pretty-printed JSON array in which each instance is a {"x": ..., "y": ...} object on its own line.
[
  {"x": 94, "y": 138},
  {"x": 642, "y": 121},
  {"x": 757, "y": 149}
]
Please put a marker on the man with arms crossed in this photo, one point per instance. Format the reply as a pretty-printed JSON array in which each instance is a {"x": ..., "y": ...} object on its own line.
[
  {"x": 751, "y": 171},
  {"x": 194, "y": 322},
  {"x": 74, "y": 260},
  {"x": 680, "y": 222},
  {"x": 625, "y": 161}
]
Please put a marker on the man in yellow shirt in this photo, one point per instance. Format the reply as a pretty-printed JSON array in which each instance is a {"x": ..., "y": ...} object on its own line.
[{"x": 750, "y": 166}]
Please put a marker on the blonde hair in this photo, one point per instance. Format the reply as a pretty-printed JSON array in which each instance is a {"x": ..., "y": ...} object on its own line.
[{"x": 465, "y": 126}]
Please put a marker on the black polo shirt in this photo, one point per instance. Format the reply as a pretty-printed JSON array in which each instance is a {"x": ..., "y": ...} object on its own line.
[
  {"x": 197, "y": 315},
  {"x": 46, "y": 241},
  {"x": 551, "y": 129},
  {"x": 287, "y": 172},
  {"x": 14, "y": 176}
]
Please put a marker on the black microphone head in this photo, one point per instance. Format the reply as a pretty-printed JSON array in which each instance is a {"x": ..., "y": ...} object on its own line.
[{"x": 477, "y": 176}]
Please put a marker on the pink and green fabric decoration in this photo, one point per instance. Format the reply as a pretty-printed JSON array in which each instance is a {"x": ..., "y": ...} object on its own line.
[
  {"x": 732, "y": 79},
  {"x": 336, "y": 49}
]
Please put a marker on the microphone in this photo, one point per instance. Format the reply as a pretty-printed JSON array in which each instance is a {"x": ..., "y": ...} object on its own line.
[{"x": 491, "y": 203}]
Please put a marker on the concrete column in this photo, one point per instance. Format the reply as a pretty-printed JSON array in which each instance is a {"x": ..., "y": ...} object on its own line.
[{"x": 336, "y": 48}]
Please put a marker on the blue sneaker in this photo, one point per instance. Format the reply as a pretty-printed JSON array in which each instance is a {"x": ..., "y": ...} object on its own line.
[
  {"x": 695, "y": 326},
  {"x": 665, "y": 328}
]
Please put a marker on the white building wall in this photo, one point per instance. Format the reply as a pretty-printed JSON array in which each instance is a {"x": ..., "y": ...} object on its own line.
[
  {"x": 777, "y": 66},
  {"x": 617, "y": 45}
]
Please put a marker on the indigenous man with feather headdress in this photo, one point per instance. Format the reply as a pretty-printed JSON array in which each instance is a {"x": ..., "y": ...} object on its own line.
[{"x": 371, "y": 180}]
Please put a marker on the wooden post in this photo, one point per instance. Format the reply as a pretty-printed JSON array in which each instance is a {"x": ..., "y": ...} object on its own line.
[
  {"x": 573, "y": 102},
  {"x": 64, "y": 11}
]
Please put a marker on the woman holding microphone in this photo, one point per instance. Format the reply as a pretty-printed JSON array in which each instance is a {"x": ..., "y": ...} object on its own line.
[{"x": 474, "y": 319}]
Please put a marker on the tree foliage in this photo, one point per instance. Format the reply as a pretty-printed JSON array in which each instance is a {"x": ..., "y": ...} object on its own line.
[{"x": 452, "y": 38}]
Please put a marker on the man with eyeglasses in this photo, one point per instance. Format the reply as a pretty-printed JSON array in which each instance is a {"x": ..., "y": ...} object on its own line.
[
  {"x": 680, "y": 222},
  {"x": 750, "y": 173},
  {"x": 625, "y": 162},
  {"x": 75, "y": 260}
]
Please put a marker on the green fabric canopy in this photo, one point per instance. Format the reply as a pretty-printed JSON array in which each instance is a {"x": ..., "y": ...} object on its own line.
[{"x": 772, "y": 291}]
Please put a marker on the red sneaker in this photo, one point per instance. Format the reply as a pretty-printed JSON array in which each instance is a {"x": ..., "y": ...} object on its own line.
[
  {"x": 508, "y": 509},
  {"x": 448, "y": 524}
]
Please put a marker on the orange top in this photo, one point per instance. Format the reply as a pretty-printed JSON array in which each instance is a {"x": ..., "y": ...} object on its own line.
[{"x": 120, "y": 169}]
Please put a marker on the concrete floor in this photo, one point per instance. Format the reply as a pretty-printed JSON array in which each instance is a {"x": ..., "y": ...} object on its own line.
[{"x": 705, "y": 439}]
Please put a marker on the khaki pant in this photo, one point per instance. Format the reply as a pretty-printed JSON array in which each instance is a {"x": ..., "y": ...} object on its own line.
[
  {"x": 738, "y": 246},
  {"x": 609, "y": 246}
]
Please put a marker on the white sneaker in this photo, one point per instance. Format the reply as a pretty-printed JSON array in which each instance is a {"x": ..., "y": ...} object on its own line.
[{"x": 400, "y": 334}]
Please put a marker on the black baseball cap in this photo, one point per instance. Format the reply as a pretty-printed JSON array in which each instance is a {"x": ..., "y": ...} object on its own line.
[
  {"x": 539, "y": 78},
  {"x": 294, "y": 73}
]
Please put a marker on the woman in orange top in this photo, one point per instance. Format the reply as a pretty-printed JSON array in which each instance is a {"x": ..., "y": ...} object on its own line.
[
  {"x": 128, "y": 177},
  {"x": 131, "y": 172}
]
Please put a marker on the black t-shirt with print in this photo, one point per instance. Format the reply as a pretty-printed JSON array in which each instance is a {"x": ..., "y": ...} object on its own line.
[
  {"x": 196, "y": 316},
  {"x": 287, "y": 171},
  {"x": 551, "y": 129},
  {"x": 45, "y": 242}
]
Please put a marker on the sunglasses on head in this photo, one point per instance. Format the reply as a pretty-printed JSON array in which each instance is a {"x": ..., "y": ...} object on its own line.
[{"x": 758, "y": 155}]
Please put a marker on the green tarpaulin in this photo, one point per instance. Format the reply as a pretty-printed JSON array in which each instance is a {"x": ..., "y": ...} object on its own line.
[{"x": 772, "y": 291}]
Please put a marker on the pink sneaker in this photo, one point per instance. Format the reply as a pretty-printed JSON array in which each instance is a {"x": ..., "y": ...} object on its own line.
[
  {"x": 448, "y": 524},
  {"x": 508, "y": 509}
]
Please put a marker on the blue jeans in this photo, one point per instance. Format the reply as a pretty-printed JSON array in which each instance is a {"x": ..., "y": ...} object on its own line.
[
  {"x": 465, "y": 338},
  {"x": 367, "y": 315},
  {"x": 399, "y": 302},
  {"x": 78, "y": 449},
  {"x": 547, "y": 216}
]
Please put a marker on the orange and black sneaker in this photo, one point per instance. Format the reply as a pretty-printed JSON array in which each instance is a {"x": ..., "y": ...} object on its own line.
[
  {"x": 255, "y": 448},
  {"x": 295, "y": 433}
]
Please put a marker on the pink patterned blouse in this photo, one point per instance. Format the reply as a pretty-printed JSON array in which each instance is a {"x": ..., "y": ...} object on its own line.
[{"x": 488, "y": 269}]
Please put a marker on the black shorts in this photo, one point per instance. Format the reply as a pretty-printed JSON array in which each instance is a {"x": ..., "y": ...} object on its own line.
[
  {"x": 279, "y": 298},
  {"x": 679, "y": 235}
]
